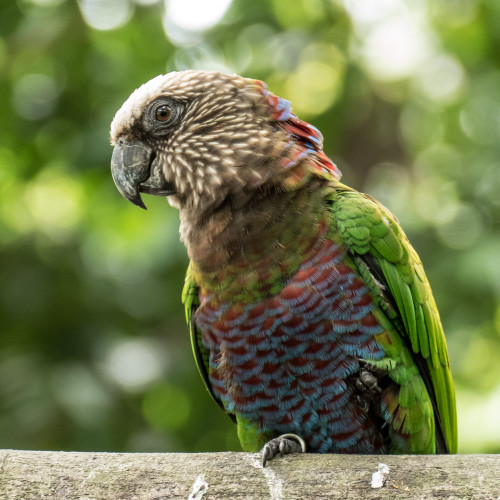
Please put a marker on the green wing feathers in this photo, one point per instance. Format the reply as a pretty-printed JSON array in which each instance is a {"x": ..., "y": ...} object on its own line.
[
  {"x": 374, "y": 237},
  {"x": 191, "y": 300}
]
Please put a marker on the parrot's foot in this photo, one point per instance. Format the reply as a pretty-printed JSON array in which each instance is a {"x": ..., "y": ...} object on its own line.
[
  {"x": 366, "y": 382},
  {"x": 284, "y": 444}
]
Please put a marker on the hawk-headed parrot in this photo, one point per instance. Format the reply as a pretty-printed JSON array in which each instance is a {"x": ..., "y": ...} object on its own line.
[{"x": 311, "y": 318}]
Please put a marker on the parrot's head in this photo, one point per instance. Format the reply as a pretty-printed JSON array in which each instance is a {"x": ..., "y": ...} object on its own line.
[
  {"x": 204, "y": 138},
  {"x": 197, "y": 137}
]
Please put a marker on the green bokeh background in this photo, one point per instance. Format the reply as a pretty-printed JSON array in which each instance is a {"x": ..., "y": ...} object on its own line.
[{"x": 94, "y": 353}]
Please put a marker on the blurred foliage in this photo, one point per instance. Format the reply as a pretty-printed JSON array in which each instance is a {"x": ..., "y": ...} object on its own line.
[{"x": 94, "y": 353}]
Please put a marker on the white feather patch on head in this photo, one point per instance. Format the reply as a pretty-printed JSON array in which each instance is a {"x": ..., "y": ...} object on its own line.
[{"x": 133, "y": 107}]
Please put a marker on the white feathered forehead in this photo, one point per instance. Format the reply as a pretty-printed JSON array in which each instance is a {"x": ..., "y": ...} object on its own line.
[{"x": 181, "y": 85}]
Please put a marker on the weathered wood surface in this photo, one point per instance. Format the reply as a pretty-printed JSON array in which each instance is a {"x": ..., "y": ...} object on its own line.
[{"x": 85, "y": 476}]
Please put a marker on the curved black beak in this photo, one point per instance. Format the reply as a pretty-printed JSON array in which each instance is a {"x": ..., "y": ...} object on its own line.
[{"x": 135, "y": 169}]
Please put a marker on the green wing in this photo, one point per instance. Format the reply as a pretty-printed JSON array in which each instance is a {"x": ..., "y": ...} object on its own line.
[
  {"x": 191, "y": 301},
  {"x": 393, "y": 272}
]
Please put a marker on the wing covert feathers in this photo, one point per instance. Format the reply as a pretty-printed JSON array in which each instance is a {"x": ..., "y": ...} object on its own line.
[
  {"x": 371, "y": 232},
  {"x": 191, "y": 301}
]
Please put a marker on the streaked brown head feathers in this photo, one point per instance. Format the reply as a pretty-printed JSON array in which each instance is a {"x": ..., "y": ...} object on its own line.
[{"x": 215, "y": 142}]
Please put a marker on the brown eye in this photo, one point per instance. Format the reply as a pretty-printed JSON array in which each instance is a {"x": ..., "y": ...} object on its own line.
[{"x": 163, "y": 113}]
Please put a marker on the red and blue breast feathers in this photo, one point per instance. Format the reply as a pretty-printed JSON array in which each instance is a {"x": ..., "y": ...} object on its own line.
[
  {"x": 306, "y": 141},
  {"x": 285, "y": 362}
]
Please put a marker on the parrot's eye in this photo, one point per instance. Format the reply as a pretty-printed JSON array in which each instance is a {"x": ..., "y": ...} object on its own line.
[{"x": 163, "y": 113}]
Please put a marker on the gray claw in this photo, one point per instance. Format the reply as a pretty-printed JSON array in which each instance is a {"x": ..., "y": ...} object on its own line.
[
  {"x": 267, "y": 454},
  {"x": 284, "y": 445}
]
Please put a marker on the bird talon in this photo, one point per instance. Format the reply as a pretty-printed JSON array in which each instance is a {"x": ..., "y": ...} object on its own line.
[
  {"x": 284, "y": 445},
  {"x": 267, "y": 454}
]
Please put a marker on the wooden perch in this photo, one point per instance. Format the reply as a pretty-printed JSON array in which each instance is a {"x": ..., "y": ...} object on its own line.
[{"x": 203, "y": 476}]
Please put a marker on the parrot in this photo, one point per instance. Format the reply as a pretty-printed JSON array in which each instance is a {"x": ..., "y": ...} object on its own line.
[{"x": 311, "y": 319}]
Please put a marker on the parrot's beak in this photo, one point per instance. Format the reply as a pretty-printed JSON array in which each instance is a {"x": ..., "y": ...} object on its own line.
[{"x": 135, "y": 169}]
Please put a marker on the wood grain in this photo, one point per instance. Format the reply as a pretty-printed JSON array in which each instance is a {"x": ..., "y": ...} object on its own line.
[{"x": 62, "y": 475}]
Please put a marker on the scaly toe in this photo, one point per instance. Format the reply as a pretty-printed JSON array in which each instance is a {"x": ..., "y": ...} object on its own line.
[{"x": 284, "y": 445}]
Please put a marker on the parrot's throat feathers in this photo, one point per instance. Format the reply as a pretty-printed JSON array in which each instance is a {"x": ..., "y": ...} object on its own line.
[{"x": 240, "y": 250}]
